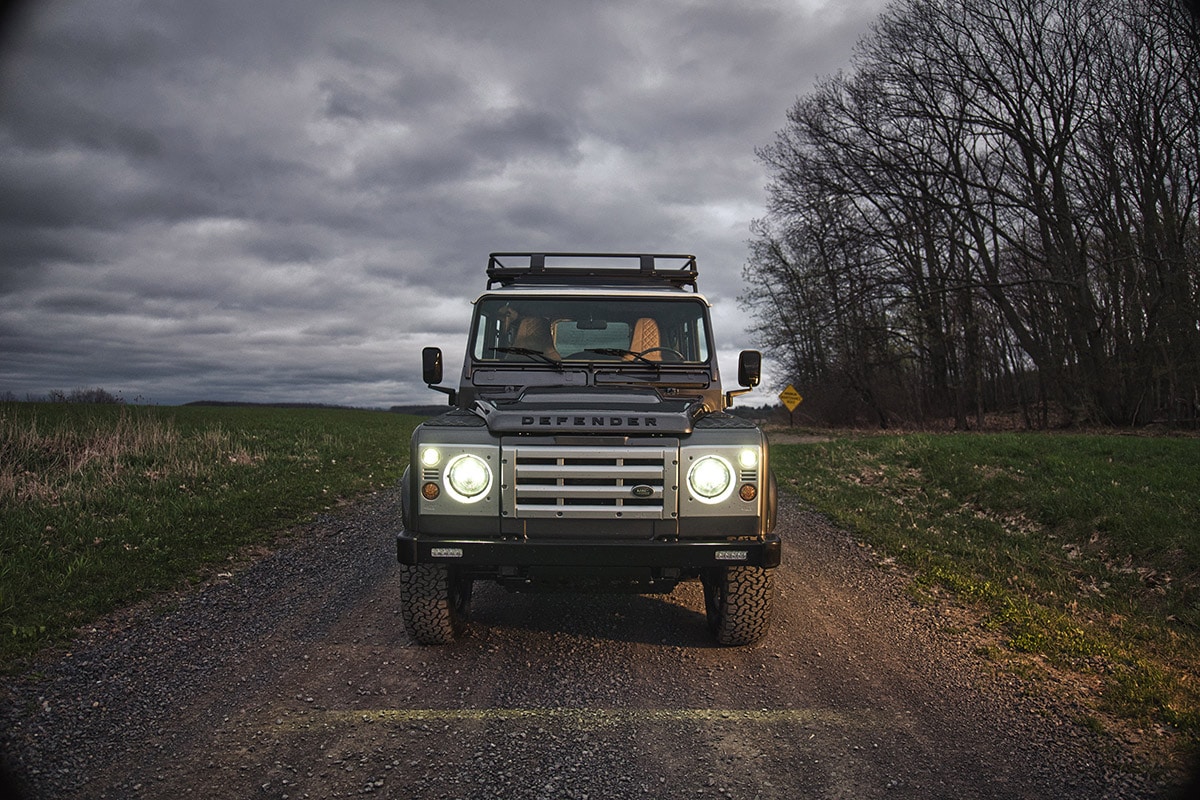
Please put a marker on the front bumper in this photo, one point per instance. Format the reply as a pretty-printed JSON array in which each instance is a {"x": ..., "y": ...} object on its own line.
[{"x": 414, "y": 549}]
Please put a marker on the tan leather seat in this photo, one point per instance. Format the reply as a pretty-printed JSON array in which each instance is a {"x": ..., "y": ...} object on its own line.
[
  {"x": 533, "y": 333},
  {"x": 645, "y": 337}
]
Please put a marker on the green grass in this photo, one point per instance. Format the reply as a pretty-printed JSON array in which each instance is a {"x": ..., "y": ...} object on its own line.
[
  {"x": 1079, "y": 550},
  {"x": 106, "y": 505}
]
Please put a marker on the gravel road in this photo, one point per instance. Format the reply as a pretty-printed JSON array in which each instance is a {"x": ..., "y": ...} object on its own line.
[{"x": 293, "y": 678}]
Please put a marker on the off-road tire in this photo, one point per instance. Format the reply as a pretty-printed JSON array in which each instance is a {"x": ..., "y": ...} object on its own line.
[
  {"x": 738, "y": 602},
  {"x": 434, "y": 602}
]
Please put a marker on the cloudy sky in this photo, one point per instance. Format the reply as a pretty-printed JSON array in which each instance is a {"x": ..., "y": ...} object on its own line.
[{"x": 284, "y": 201}]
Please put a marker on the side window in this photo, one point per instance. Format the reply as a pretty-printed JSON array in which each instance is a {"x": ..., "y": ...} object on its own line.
[
  {"x": 487, "y": 335},
  {"x": 685, "y": 333},
  {"x": 692, "y": 341}
]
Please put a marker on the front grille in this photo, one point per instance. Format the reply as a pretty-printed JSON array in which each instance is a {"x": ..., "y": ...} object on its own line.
[{"x": 590, "y": 482}]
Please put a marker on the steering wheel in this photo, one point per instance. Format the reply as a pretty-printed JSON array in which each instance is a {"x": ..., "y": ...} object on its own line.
[{"x": 668, "y": 350}]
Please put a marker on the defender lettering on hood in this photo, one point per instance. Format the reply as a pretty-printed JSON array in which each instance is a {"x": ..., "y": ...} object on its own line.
[{"x": 590, "y": 422}]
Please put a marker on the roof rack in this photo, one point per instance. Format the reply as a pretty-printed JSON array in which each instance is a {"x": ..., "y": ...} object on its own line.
[{"x": 591, "y": 269}]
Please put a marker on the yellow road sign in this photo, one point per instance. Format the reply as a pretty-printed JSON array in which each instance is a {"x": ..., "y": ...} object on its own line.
[{"x": 791, "y": 398}]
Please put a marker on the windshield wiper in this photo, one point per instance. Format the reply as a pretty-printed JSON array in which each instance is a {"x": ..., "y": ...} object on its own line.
[
  {"x": 525, "y": 351},
  {"x": 617, "y": 351}
]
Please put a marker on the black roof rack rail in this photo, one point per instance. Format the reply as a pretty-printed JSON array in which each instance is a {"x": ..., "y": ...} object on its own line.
[{"x": 591, "y": 269}]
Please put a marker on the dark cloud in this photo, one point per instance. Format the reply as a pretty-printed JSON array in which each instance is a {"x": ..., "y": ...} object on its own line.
[
  {"x": 522, "y": 133},
  {"x": 285, "y": 201}
]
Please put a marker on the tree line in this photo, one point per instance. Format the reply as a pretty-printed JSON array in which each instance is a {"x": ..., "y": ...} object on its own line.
[
  {"x": 994, "y": 209},
  {"x": 92, "y": 396}
]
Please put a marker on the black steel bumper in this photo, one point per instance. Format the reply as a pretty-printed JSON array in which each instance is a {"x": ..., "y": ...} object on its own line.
[{"x": 415, "y": 549}]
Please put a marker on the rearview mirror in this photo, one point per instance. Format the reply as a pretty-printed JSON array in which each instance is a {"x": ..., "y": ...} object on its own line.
[{"x": 749, "y": 368}]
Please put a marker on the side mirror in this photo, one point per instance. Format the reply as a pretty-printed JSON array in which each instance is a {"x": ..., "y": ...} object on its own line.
[
  {"x": 431, "y": 365},
  {"x": 431, "y": 371},
  {"x": 749, "y": 368}
]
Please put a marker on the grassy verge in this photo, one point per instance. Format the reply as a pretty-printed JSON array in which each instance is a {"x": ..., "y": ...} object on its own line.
[
  {"x": 104, "y": 505},
  {"x": 1082, "y": 553}
]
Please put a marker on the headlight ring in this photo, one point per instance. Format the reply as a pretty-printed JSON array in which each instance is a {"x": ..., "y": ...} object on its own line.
[
  {"x": 711, "y": 479},
  {"x": 468, "y": 478}
]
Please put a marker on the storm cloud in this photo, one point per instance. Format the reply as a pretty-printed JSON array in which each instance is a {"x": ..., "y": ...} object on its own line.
[{"x": 284, "y": 201}]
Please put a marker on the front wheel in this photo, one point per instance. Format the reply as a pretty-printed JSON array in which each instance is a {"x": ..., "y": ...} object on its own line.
[
  {"x": 434, "y": 602},
  {"x": 738, "y": 603}
]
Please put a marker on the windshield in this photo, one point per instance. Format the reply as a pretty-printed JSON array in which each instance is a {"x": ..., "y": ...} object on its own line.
[{"x": 554, "y": 329}]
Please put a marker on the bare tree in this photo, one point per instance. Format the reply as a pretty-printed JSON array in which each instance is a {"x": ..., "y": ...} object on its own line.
[{"x": 1000, "y": 190}]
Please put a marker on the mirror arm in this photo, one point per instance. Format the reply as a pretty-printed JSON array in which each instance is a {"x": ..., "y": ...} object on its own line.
[
  {"x": 453, "y": 394},
  {"x": 735, "y": 393}
]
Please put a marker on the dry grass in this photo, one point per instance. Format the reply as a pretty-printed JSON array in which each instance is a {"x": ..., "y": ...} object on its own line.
[{"x": 42, "y": 462}]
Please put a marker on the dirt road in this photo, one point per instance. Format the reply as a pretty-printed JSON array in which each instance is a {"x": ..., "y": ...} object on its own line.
[{"x": 293, "y": 678}]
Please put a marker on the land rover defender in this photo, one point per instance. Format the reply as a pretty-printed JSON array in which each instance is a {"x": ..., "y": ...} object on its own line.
[{"x": 588, "y": 448}]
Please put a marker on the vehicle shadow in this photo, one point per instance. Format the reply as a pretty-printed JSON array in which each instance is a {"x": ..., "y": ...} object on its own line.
[{"x": 671, "y": 620}]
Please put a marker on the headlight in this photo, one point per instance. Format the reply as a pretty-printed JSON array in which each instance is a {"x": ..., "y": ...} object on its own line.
[
  {"x": 468, "y": 478},
  {"x": 711, "y": 479},
  {"x": 748, "y": 458}
]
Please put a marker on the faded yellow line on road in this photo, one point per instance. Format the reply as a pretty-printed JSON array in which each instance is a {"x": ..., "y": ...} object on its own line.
[{"x": 579, "y": 716}]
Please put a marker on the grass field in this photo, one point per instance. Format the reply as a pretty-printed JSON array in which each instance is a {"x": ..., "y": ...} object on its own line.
[
  {"x": 103, "y": 505},
  {"x": 1081, "y": 553}
]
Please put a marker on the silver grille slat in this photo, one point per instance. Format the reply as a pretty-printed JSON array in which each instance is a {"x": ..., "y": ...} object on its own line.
[{"x": 615, "y": 492}]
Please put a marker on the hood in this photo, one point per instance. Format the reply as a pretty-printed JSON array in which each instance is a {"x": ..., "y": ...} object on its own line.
[{"x": 590, "y": 411}]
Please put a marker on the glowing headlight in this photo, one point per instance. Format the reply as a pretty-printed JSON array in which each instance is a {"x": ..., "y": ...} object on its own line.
[
  {"x": 748, "y": 458},
  {"x": 430, "y": 457},
  {"x": 468, "y": 477},
  {"x": 711, "y": 479}
]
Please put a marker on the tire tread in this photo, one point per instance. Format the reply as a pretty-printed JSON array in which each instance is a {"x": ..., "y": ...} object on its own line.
[
  {"x": 425, "y": 603},
  {"x": 746, "y": 605}
]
